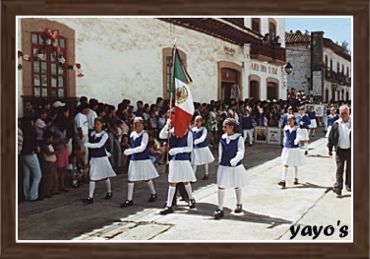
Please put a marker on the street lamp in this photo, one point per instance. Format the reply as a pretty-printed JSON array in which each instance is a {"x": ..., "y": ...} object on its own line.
[{"x": 288, "y": 68}]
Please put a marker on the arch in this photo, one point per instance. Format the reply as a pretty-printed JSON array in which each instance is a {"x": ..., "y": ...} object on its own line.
[
  {"x": 233, "y": 66},
  {"x": 254, "y": 87},
  {"x": 272, "y": 88},
  {"x": 167, "y": 68},
  {"x": 29, "y": 25}
]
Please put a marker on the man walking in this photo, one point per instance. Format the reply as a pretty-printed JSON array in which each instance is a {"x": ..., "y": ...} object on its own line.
[{"x": 340, "y": 139}]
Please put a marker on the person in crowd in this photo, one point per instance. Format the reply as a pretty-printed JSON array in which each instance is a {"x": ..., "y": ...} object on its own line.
[
  {"x": 303, "y": 122},
  {"x": 248, "y": 127},
  {"x": 29, "y": 110},
  {"x": 313, "y": 124},
  {"x": 231, "y": 172},
  {"x": 212, "y": 120},
  {"x": 141, "y": 167},
  {"x": 100, "y": 167},
  {"x": 340, "y": 139},
  {"x": 201, "y": 154},
  {"x": 140, "y": 108},
  {"x": 92, "y": 115},
  {"x": 291, "y": 154},
  {"x": 31, "y": 165},
  {"x": 81, "y": 125},
  {"x": 114, "y": 142},
  {"x": 50, "y": 166}
]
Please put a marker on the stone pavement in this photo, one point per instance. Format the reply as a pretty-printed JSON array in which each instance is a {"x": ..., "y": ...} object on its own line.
[{"x": 268, "y": 211}]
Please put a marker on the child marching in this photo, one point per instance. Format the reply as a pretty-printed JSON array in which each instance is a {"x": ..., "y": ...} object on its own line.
[
  {"x": 100, "y": 167},
  {"x": 304, "y": 123},
  {"x": 201, "y": 154},
  {"x": 231, "y": 172},
  {"x": 248, "y": 127},
  {"x": 291, "y": 154},
  {"x": 141, "y": 167},
  {"x": 313, "y": 124},
  {"x": 332, "y": 117}
]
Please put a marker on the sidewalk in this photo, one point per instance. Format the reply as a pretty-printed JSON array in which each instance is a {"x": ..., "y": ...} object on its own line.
[{"x": 268, "y": 210}]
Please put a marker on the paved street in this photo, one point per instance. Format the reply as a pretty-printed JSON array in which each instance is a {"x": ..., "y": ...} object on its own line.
[{"x": 268, "y": 211}]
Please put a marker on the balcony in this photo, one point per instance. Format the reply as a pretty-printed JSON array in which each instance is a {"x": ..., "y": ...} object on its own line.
[
  {"x": 269, "y": 53},
  {"x": 338, "y": 78}
]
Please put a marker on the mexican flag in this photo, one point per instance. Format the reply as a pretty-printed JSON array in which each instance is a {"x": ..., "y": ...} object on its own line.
[{"x": 184, "y": 106}]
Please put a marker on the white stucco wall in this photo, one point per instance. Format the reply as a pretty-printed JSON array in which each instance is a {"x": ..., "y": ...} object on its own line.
[
  {"x": 123, "y": 58},
  {"x": 300, "y": 59}
]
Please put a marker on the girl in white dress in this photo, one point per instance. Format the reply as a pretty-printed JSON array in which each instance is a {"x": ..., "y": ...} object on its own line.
[
  {"x": 180, "y": 170},
  {"x": 291, "y": 155},
  {"x": 141, "y": 167},
  {"x": 201, "y": 154},
  {"x": 231, "y": 172},
  {"x": 100, "y": 167}
]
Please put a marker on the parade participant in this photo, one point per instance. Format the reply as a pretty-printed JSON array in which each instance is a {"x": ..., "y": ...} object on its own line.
[
  {"x": 141, "y": 167},
  {"x": 285, "y": 117},
  {"x": 201, "y": 154},
  {"x": 313, "y": 125},
  {"x": 180, "y": 170},
  {"x": 100, "y": 167},
  {"x": 303, "y": 124},
  {"x": 248, "y": 127},
  {"x": 332, "y": 117},
  {"x": 291, "y": 154},
  {"x": 231, "y": 172}
]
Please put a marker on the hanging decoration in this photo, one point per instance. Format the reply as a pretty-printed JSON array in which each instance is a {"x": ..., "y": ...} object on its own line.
[{"x": 50, "y": 39}]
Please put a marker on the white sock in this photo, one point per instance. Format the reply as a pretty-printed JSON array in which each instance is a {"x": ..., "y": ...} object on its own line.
[
  {"x": 206, "y": 167},
  {"x": 171, "y": 193},
  {"x": 195, "y": 169},
  {"x": 91, "y": 189},
  {"x": 296, "y": 171},
  {"x": 107, "y": 184},
  {"x": 284, "y": 173},
  {"x": 189, "y": 191},
  {"x": 151, "y": 186},
  {"x": 238, "y": 192},
  {"x": 130, "y": 191},
  {"x": 221, "y": 195}
]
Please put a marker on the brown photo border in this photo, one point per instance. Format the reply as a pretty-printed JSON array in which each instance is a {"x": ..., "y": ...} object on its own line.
[{"x": 360, "y": 11}]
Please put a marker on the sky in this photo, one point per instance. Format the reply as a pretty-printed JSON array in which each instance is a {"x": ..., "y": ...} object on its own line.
[{"x": 336, "y": 29}]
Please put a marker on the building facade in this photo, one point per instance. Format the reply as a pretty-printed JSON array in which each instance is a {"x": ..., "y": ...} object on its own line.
[
  {"x": 132, "y": 58},
  {"x": 320, "y": 67}
]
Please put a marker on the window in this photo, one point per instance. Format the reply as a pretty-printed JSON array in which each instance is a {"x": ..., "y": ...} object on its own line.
[
  {"x": 347, "y": 71},
  {"x": 254, "y": 90},
  {"x": 338, "y": 66},
  {"x": 331, "y": 65},
  {"x": 342, "y": 69},
  {"x": 272, "y": 91},
  {"x": 326, "y": 62},
  {"x": 272, "y": 29},
  {"x": 167, "y": 69},
  {"x": 48, "y": 75},
  {"x": 256, "y": 24}
]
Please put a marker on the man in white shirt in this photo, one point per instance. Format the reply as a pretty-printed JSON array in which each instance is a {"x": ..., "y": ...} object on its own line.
[
  {"x": 340, "y": 139},
  {"x": 82, "y": 129},
  {"x": 91, "y": 115}
]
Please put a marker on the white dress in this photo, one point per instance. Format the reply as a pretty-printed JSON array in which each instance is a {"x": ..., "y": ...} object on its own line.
[
  {"x": 232, "y": 176},
  {"x": 100, "y": 167},
  {"x": 179, "y": 170},
  {"x": 140, "y": 170},
  {"x": 202, "y": 155},
  {"x": 292, "y": 156}
]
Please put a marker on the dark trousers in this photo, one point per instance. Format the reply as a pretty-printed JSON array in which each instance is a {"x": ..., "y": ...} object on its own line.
[{"x": 343, "y": 156}]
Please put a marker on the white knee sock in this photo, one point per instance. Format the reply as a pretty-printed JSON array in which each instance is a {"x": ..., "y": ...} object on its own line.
[
  {"x": 130, "y": 191},
  {"x": 171, "y": 193},
  {"x": 189, "y": 191},
  {"x": 238, "y": 192},
  {"x": 91, "y": 189},
  {"x": 151, "y": 186},
  {"x": 107, "y": 184},
  {"x": 296, "y": 171},
  {"x": 221, "y": 196},
  {"x": 206, "y": 167},
  {"x": 195, "y": 169},
  {"x": 284, "y": 173}
]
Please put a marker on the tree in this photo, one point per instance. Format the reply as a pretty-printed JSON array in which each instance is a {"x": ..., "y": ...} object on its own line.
[{"x": 344, "y": 46}]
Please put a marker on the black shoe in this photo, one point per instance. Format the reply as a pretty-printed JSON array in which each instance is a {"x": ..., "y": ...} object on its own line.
[
  {"x": 282, "y": 183},
  {"x": 295, "y": 181},
  {"x": 218, "y": 214},
  {"x": 239, "y": 208},
  {"x": 205, "y": 177},
  {"x": 38, "y": 199},
  {"x": 306, "y": 152},
  {"x": 337, "y": 191},
  {"x": 192, "y": 204},
  {"x": 127, "y": 203},
  {"x": 166, "y": 211},
  {"x": 88, "y": 200},
  {"x": 152, "y": 198},
  {"x": 108, "y": 196},
  {"x": 184, "y": 199},
  {"x": 348, "y": 188}
]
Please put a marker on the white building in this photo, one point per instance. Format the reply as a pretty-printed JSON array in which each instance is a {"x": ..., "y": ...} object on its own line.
[
  {"x": 131, "y": 58},
  {"x": 320, "y": 67}
]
